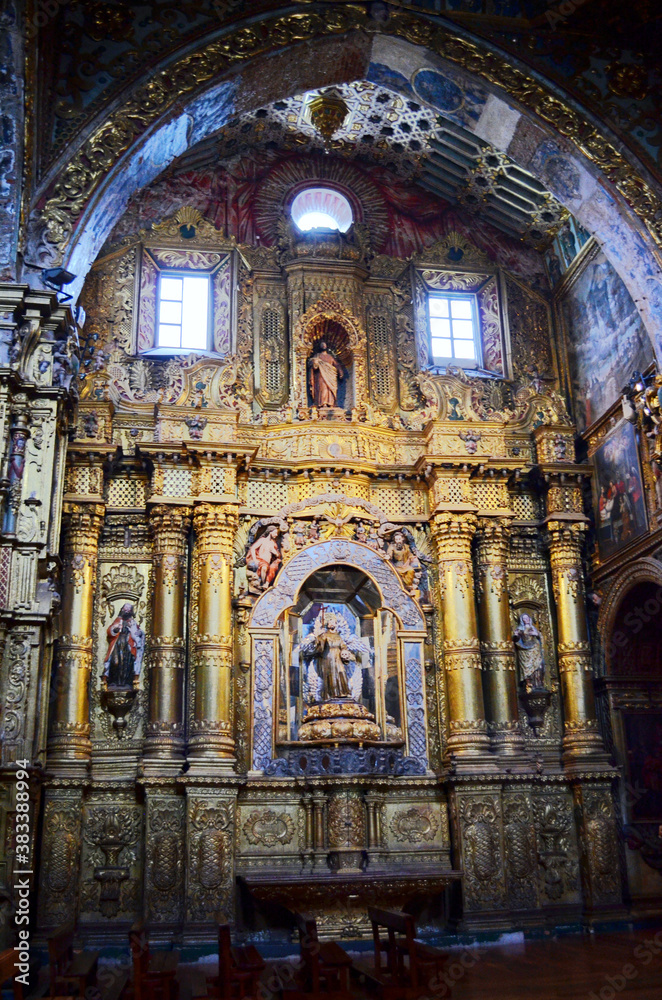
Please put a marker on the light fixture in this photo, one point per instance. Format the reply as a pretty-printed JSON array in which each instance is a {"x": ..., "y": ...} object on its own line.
[
  {"x": 55, "y": 278},
  {"x": 327, "y": 113}
]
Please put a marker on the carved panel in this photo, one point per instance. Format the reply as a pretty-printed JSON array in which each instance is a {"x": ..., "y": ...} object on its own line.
[
  {"x": 268, "y": 828},
  {"x": 164, "y": 861},
  {"x": 210, "y": 868},
  {"x": 530, "y": 331},
  {"x": 111, "y": 859},
  {"x": 480, "y": 826},
  {"x": 519, "y": 839},
  {"x": 60, "y": 857},
  {"x": 271, "y": 322},
  {"x": 416, "y": 825},
  {"x": 382, "y": 376},
  {"x": 558, "y": 869}
]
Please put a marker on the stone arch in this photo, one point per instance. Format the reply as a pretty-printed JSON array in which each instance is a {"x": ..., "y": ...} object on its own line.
[
  {"x": 646, "y": 570},
  {"x": 197, "y": 94},
  {"x": 310, "y": 328},
  {"x": 283, "y": 594}
]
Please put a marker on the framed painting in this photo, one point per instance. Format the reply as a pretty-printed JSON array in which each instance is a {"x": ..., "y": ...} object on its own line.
[
  {"x": 620, "y": 507},
  {"x": 643, "y": 746}
]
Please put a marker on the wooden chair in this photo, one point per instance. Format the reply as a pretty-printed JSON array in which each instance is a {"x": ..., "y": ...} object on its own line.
[
  {"x": 239, "y": 967},
  {"x": 8, "y": 972},
  {"x": 154, "y": 975},
  {"x": 411, "y": 969},
  {"x": 325, "y": 966},
  {"x": 70, "y": 972}
]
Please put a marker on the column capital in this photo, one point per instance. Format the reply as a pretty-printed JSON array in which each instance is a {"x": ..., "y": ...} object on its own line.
[
  {"x": 81, "y": 522},
  {"x": 164, "y": 518},
  {"x": 493, "y": 529},
  {"x": 454, "y": 524},
  {"x": 215, "y": 525}
]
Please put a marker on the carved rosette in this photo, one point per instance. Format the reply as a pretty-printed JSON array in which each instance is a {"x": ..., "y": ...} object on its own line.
[
  {"x": 497, "y": 650},
  {"x": 581, "y": 737},
  {"x": 453, "y": 534},
  {"x": 169, "y": 527},
  {"x": 211, "y": 730},
  {"x": 69, "y": 739}
]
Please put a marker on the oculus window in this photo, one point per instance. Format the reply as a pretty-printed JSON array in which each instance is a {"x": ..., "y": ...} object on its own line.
[
  {"x": 183, "y": 313},
  {"x": 454, "y": 330},
  {"x": 321, "y": 208}
]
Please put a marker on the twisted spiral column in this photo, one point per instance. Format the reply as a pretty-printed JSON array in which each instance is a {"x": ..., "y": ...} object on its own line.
[
  {"x": 169, "y": 528},
  {"x": 496, "y": 643},
  {"x": 69, "y": 744},
  {"x": 581, "y": 737},
  {"x": 453, "y": 534},
  {"x": 211, "y": 737}
]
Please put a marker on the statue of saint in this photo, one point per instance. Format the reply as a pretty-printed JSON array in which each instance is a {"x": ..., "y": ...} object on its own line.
[
  {"x": 126, "y": 647},
  {"x": 528, "y": 642},
  {"x": 405, "y": 562},
  {"x": 324, "y": 374},
  {"x": 264, "y": 558},
  {"x": 331, "y": 654}
]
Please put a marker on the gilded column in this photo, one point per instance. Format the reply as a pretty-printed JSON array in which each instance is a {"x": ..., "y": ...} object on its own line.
[
  {"x": 581, "y": 738},
  {"x": 169, "y": 527},
  {"x": 211, "y": 737},
  {"x": 468, "y": 737},
  {"x": 496, "y": 644},
  {"x": 69, "y": 744}
]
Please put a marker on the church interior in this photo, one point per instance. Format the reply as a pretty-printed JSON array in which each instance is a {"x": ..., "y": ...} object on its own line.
[{"x": 331, "y": 484}]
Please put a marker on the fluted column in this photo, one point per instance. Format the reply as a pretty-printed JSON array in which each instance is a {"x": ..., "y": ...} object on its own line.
[
  {"x": 69, "y": 741},
  {"x": 169, "y": 527},
  {"x": 496, "y": 643},
  {"x": 468, "y": 738},
  {"x": 581, "y": 738},
  {"x": 211, "y": 739}
]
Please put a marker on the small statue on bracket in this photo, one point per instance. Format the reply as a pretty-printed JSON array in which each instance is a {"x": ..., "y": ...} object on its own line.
[
  {"x": 121, "y": 668},
  {"x": 535, "y": 696}
]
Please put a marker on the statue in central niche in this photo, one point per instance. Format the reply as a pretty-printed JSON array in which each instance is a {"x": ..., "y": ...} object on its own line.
[
  {"x": 331, "y": 654},
  {"x": 324, "y": 374}
]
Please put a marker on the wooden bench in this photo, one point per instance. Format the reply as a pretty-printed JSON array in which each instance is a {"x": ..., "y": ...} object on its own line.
[
  {"x": 154, "y": 974},
  {"x": 239, "y": 967},
  {"x": 411, "y": 969},
  {"x": 70, "y": 972},
  {"x": 8, "y": 972},
  {"x": 325, "y": 966}
]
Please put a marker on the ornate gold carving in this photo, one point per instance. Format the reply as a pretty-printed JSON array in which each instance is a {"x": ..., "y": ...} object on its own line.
[
  {"x": 269, "y": 828},
  {"x": 414, "y": 825},
  {"x": 122, "y": 581},
  {"x": 480, "y": 818},
  {"x": 210, "y": 858}
]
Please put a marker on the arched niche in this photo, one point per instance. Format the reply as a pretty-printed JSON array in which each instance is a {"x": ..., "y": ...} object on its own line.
[
  {"x": 329, "y": 321},
  {"x": 385, "y": 593},
  {"x": 614, "y": 631}
]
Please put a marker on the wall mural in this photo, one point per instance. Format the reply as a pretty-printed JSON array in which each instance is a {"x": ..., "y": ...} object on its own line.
[
  {"x": 620, "y": 505},
  {"x": 607, "y": 340}
]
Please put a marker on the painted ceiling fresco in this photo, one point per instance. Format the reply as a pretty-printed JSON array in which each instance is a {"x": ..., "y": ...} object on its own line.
[
  {"x": 602, "y": 53},
  {"x": 246, "y": 198},
  {"x": 384, "y": 128}
]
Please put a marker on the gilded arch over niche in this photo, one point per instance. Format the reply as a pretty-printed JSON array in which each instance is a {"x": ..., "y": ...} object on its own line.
[
  {"x": 286, "y": 587},
  {"x": 312, "y": 327},
  {"x": 646, "y": 570}
]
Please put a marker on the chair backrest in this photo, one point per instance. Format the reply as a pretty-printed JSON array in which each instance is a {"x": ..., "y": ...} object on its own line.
[
  {"x": 225, "y": 962},
  {"x": 310, "y": 951},
  {"x": 8, "y": 972},
  {"x": 60, "y": 952},
  {"x": 139, "y": 944},
  {"x": 394, "y": 923}
]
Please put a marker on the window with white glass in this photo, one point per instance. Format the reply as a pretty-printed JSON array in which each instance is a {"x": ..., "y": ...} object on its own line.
[
  {"x": 183, "y": 313},
  {"x": 454, "y": 330}
]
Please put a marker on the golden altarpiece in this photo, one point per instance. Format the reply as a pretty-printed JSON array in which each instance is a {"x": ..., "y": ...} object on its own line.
[{"x": 287, "y": 666}]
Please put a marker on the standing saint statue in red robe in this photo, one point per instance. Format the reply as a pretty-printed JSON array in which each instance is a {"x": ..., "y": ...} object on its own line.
[
  {"x": 324, "y": 373},
  {"x": 126, "y": 647}
]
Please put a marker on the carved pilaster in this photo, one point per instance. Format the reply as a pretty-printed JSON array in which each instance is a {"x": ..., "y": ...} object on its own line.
[
  {"x": 468, "y": 737},
  {"x": 581, "y": 738},
  {"x": 496, "y": 644},
  {"x": 212, "y": 743},
  {"x": 165, "y": 730},
  {"x": 69, "y": 743},
  {"x": 599, "y": 853}
]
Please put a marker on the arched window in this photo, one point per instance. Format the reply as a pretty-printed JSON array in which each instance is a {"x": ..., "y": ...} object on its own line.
[{"x": 321, "y": 208}]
